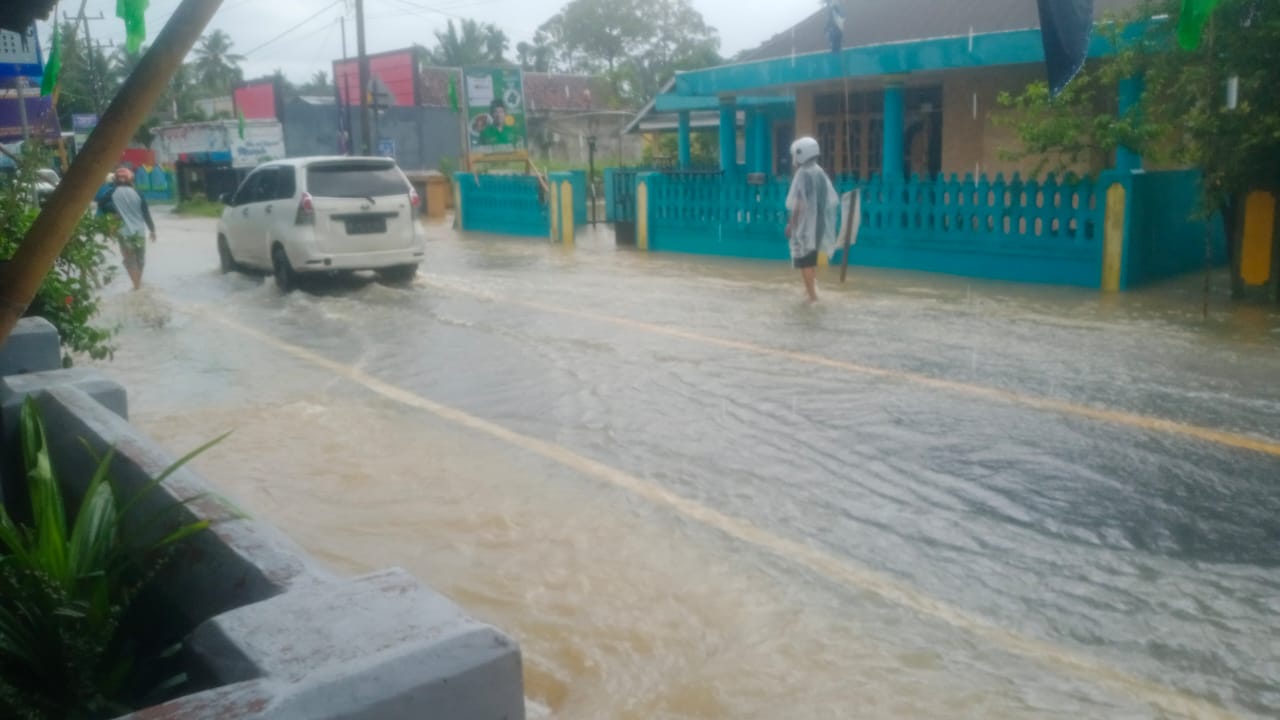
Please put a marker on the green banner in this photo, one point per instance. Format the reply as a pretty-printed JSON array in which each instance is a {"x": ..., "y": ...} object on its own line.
[{"x": 495, "y": 113}]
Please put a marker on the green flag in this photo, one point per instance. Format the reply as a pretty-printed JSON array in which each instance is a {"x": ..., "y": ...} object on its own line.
[
  {"x": 1191, "y": 21},
  {"x": 453, "y": 93},
  {"x": 52, "y": 68},
  {"x": 240, "y": 125},
  {"x": 134, "y": 14}
]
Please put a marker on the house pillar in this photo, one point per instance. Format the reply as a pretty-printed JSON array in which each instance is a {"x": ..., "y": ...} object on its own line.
[
  {"x": 728, "y": 135},
  {"x": 1131, "y": 89},
  {"x": 894, "y": 118},
  {"x": 686, "y": 154},
  {"x": 757, "y": 142},
  {"x": 764, "y": 144}
]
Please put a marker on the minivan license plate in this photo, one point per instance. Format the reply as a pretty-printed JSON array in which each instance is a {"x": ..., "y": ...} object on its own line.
[{"x": 366, "y": 226}]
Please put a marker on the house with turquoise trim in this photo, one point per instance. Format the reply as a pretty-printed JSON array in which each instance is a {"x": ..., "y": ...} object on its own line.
[{"x": 906, "y": 113}]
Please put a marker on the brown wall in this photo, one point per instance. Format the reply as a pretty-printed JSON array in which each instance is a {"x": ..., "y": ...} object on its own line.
[
  {"x": 968, "y": 145},
  {"x": 806, "y": 124}
]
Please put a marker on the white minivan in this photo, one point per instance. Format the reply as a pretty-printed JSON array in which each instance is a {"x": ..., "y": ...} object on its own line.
[{"x": 323, "y": 214}]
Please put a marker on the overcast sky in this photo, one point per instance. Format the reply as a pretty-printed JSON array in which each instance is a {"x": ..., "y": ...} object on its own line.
[{"x": 310, "y": 45}]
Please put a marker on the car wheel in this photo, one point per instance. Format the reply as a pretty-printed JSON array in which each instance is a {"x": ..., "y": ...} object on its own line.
[
  {"x": 399, "y": 274},
  {"x": 226, "y": 260},
  {"x": 286, "y": 278}
]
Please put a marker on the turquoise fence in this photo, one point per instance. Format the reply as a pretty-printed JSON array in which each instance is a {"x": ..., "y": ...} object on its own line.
[
  {"x": 1005, "y": 229},
  {"x": 156, "y": 184},
  {"x": 578, "y": 179},
  {"x": 503, "y": 204},
  {"x": 1167, "y": 235}
]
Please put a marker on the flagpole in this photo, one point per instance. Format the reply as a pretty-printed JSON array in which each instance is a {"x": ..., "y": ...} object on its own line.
[{"x": 835, "y": 31}]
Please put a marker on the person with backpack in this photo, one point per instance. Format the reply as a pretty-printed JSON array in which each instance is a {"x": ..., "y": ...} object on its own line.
[
  {"x": 812, "y": 206},
  {"x": 130, "y": 207}
]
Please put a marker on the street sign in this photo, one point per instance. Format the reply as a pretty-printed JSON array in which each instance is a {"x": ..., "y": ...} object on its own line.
[
  {"x": 20, "y": 54},
  {"x": 387, "y": 147}
]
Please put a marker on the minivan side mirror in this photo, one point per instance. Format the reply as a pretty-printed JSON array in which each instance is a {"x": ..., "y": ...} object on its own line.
[{"x": 226, "y": 198}]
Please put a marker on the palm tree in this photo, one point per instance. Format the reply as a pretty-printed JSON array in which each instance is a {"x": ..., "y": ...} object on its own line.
[
  {"x": 469, "y": 43},
  {"x": 216, "y": 66}
]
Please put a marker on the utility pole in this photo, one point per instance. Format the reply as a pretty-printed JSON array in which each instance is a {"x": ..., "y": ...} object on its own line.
[
  {"x": 366, "y": 129},
  {"x": 346, "y": 90},
  {"x": 20, "y": 84},
  {"x": 95, "y": 78}
]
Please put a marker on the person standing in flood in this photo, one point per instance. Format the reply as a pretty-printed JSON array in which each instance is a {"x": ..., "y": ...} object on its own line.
[
  {"x": 127, "y": 204},
  {"x": 811, "y": 204}
]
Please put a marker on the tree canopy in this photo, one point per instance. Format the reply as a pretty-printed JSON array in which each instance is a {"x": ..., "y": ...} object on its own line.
[
  {"x": 637, "y": 45},
  {"x": 469, "y": 43},
  {"x": 216, "y": 66},
  {"x": 1182, "y": 116}
]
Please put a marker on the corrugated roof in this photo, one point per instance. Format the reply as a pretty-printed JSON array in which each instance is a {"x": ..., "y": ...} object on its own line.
[{"x": 872, "y": 22}]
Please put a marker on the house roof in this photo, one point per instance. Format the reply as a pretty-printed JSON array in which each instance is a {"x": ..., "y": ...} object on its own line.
[
  {"x": 543, "y": 92},
  {"x": 873, "y": 22}
]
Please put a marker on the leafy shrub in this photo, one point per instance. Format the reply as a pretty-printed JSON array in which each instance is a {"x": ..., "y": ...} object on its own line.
[
  {"x": 67, "y": 582},
  {"x": 68, "y": 298}
]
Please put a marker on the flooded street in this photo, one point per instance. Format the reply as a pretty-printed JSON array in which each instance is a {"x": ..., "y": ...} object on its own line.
[{"x": 690, "y": 496}]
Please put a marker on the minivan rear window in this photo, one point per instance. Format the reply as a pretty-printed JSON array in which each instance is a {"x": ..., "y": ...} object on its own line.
[{"x": 355, "y": 180}]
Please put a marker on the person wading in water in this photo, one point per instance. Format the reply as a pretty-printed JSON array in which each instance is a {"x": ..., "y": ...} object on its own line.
[
  {"x": 812, "y": 204},
  {"x": 127, "y": 204}
]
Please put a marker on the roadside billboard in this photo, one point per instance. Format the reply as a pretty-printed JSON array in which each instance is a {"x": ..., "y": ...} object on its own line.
[
  {"x": 20, "y": 55},
  {"x": 495, "y": 114}
]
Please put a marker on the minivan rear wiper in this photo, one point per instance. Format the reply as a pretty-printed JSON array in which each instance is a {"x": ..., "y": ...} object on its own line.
[{"x": 370, "y": 199}]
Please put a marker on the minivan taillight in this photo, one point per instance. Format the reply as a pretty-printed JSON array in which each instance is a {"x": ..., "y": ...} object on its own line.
[
  {"x": 414, "y": 199},
  {"x": 306, "y": 210}
]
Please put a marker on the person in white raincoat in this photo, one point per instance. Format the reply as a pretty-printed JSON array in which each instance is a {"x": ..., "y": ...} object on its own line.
[{"x": 812, "y": 205}]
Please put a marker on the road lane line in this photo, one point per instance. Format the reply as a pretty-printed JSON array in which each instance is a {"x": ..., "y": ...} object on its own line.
[
  {"x": 1266, "y": 446},
  {"x": 840, "y": 570}
]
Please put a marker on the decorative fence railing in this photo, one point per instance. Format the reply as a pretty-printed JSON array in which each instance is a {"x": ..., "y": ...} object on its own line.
[{"x": 977, "y": 226}]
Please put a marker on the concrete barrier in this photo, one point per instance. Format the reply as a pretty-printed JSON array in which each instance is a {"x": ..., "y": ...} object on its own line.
[{"x": 270, "y": 633}]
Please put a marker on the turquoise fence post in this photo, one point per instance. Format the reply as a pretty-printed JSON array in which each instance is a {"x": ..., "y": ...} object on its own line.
[{"x": 580, "y": 196}]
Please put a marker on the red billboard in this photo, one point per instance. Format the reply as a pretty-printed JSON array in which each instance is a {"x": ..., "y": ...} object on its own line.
[
  {"x": 257, "y": 101},
  {"x": 396, "y": 71}
]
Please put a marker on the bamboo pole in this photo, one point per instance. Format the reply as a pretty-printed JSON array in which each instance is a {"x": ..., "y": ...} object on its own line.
[{"x": 20, "y": 279}]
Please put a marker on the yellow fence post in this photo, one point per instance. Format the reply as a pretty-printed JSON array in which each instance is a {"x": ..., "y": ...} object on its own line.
[
  {"x": 553, "y": 211},
  {"x": 1259, "y": 234},
  {"x": 1114, "y": 237},
  {"x": 566, "y": 213},
  {"x": 642, "y": 213}
]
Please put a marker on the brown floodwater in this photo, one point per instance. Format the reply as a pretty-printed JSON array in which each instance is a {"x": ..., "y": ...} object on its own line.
[{"x": 687, "y": 496}]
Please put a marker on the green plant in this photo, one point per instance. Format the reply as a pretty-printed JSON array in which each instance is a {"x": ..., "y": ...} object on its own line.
[
  {"x": 199, "y": 206},
  {"x": 447, "y": 166},
  {"x": 67, "y": 581},
  {"x": 68, "y": 298}
]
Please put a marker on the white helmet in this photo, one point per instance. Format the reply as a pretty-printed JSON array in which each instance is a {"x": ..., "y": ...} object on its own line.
[{"x": 803, "y": 150}]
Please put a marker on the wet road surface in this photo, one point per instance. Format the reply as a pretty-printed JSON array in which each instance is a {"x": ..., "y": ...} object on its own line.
[{"x": 689, "y": 495}]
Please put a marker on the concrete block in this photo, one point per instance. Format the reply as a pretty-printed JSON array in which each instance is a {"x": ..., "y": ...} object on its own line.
[
  {"x": 33, "y": 346},
  {"x": 378, "y": 647},
  {"x": 240, "y": 561},
  {"x": 273, "y": 635}
]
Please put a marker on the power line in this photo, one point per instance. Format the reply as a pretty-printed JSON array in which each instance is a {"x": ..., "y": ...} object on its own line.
[{"x": 322, "y": 11}]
